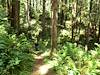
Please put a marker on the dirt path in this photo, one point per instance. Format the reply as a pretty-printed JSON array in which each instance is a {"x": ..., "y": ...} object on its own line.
[{"x": 40, "y": 68}]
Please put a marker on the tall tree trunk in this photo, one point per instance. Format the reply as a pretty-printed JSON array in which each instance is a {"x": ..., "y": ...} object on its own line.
[
  {"x": 62, "y": 14},
  {"x": 9, "y": 10},
  {"x": 40, "y": 2},
  {"x": 54, "y": 26},
  {"x": 80, "y": 13},
  {"x": 33, "y": 3},
  {"x": 87, "y": 31},
  {"x": 43, "y": 20},
  {"x": 74, "y": 15},
  {"x": 28, "y": 12},
  {"x": 99, "y": 21},
  {"x": 99, "y": 33},
  {"x": 15, "y": 14},
  {"x": 44, "y": 1},
  {"x": 36, "y": 5}
]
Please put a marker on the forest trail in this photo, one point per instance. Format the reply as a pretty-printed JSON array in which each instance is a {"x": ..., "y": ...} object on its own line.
[{"x": 40, "y": 68}]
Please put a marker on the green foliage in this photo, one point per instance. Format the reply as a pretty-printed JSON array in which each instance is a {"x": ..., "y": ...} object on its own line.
[
  {"x": 14, "y": 53},
  {"x": 3, "y": 18},
  {"x": 72, "y": 60}
]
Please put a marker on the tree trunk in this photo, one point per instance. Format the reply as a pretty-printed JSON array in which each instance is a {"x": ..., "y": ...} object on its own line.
[
  {"x": 54, "y": 26},
  {"x": 87, "y": 31},
  {"x": 30, "y": 10},
  {"x": 99, "y": 33},
  {"x": 74, "y": 15},
  {"x": 36, "y": 5},
  {"x": 15, "y": 14},
  {"x": 40, "y": 2},
  {"x": 43, "y": 21},
  {"x": 62, "y": 14},
  {"x": 9, "y": 10},
  {"x": 33, "y": 3},
  {"x": 99, "y": 21},
  {"x": 28, "y": 13}
]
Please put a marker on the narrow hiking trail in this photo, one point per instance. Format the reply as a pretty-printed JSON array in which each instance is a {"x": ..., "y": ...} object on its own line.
[{"x": 40, "y": 68}]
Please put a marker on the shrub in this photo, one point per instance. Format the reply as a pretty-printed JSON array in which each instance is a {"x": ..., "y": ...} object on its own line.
[
  {"x": 14, "y": 53},
  {"x": 72, "y": 60}
]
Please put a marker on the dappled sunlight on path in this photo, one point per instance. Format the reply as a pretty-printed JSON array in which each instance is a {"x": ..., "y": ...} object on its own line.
[{"x": 40, "y": 68}]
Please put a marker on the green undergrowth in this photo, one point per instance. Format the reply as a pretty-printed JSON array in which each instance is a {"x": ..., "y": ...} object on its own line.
[
  {"x": 72, "y": 60},
  {"x": 15, "y": 55}
]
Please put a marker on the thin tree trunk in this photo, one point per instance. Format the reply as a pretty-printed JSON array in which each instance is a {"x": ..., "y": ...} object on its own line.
[
  {"x": 62, "y": 14},
  {"x": 43, "y": 20},
  {"x": 33, "y": 3},
  {"x": 87, "y": 31},
  {"x": 9, "y": 10},
  {"x": 99, "y": 33},
  {"x": 40, "y": 2},
  {"x": 30, "y": 10},
  {"x": 36, "y": 5},
  {"x": 27, "y": 12},
  {"x": 99, "y": 21},
  {"x": 74, "y": 14}
]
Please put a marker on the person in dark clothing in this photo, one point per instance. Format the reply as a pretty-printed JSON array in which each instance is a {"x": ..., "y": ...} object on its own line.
[{"x": 36, "y": 46}]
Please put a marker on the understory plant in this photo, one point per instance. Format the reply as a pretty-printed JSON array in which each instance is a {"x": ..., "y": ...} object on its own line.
[
  {"x": 15, "y": 55},
  {"x": 72, "y": 60}
]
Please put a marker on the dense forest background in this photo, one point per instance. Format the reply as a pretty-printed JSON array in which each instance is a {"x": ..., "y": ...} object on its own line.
[{"x": 69, "y": 30}]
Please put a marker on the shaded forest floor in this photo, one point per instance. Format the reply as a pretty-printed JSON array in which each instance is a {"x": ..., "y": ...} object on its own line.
[{"x": 41, "y": 68}]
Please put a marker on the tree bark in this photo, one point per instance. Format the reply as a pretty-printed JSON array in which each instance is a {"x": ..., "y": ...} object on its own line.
[
  {"x": 43, "y": 21},
  {"x": 15, "y": 14},
  {"x": 30, "y": 10},
  {"x": 9, "y": 10},
  {"x": 54, "y": 26},
  {"x": 28, "y": 13},
  {"x": 74, "y": 15},
  {"x": 99, "y": 21}
]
